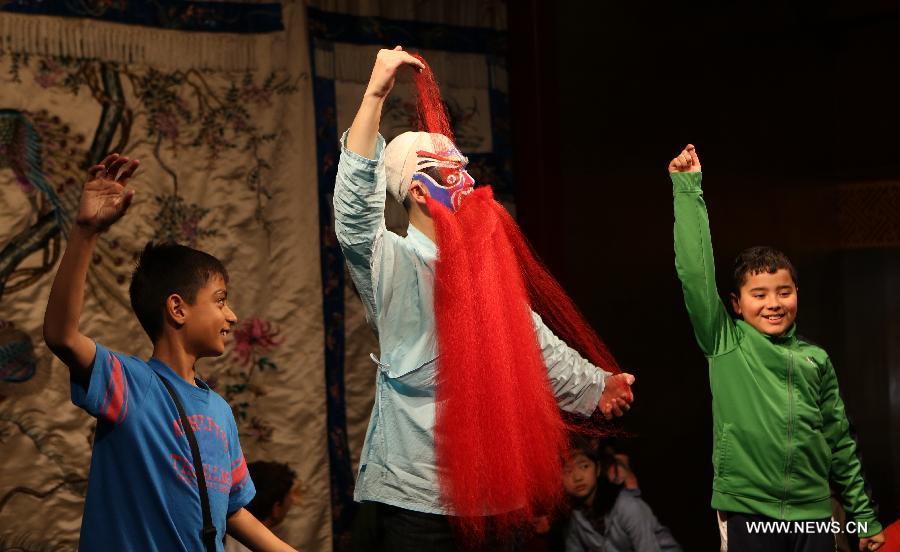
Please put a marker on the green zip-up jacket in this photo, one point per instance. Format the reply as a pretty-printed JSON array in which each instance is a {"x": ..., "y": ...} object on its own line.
[{"x": 780, "y": 433}]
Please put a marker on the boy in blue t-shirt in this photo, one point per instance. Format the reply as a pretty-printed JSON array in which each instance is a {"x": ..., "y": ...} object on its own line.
[{"x": 142, "y": 490}]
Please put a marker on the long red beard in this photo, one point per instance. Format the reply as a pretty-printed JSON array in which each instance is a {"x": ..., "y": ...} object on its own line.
[{"x": 499, "y": 436}]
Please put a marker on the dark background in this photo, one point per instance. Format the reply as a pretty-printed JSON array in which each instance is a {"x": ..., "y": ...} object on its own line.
[{"x": 785, "y": 101}]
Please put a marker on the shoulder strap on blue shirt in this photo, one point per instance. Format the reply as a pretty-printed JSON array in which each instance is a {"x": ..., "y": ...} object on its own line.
[{"x": 208, "y": 533}]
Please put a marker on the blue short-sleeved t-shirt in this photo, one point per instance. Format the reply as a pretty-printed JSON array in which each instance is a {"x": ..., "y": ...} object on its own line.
[{"x": 142, "y": 491}]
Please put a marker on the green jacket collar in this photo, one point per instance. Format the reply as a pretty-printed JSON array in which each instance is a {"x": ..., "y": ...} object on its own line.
[{"x": 787, "y": 338}]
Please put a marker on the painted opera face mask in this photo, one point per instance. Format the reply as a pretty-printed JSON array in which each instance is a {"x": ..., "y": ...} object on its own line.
[{"x": 445, "y": 177}]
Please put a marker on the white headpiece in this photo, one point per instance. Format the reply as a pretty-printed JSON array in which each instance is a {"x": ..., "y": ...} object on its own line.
[{"x": 401, "y": 161}]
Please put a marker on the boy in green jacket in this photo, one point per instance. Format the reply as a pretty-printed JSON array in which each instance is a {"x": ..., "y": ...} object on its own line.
[{"x": 779, "y": 429}]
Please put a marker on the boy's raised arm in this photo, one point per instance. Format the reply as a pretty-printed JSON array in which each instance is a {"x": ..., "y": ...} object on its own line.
[
  {"x": 103, "y": 201},
  {"x": 694, "y": 256}
]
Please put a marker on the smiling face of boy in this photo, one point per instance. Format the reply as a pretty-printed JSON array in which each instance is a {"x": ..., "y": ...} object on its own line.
[
  {"x": 767, "y": 301},
  {"x": 209, "y": 319}
]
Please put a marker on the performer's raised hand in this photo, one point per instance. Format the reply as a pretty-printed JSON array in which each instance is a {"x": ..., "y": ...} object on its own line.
[
  {"x": 104, "y": 198},
  {"x": 387, "y": 63},
  {"x": 686, "y": 161},
  {"x": 617, "y": 396},
  {"x": 364, "y": 130}
]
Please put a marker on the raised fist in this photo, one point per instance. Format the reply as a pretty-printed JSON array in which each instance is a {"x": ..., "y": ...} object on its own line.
[{"x": 686, "y": 161}]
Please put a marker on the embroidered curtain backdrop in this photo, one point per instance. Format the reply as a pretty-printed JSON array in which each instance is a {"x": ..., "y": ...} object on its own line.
[
  {"x": 236, "y": 162},
  {"x": 223, "y": 125}
]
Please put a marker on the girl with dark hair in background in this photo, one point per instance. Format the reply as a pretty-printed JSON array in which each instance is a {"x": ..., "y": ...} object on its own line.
[{"x": 605, "y": 516}]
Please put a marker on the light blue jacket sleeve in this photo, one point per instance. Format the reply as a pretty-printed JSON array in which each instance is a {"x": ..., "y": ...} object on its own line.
[
  {"x": 576, "y": 383},
  {"x": 359, "y": 195}
]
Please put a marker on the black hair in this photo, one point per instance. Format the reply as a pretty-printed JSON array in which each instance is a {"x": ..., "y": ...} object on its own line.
[
  {"x": 164, "y": 269},
  {"x": 759, "y": 259},
  {"x": 606, "y": 491},
  {"x": 273, "y": 482}
]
